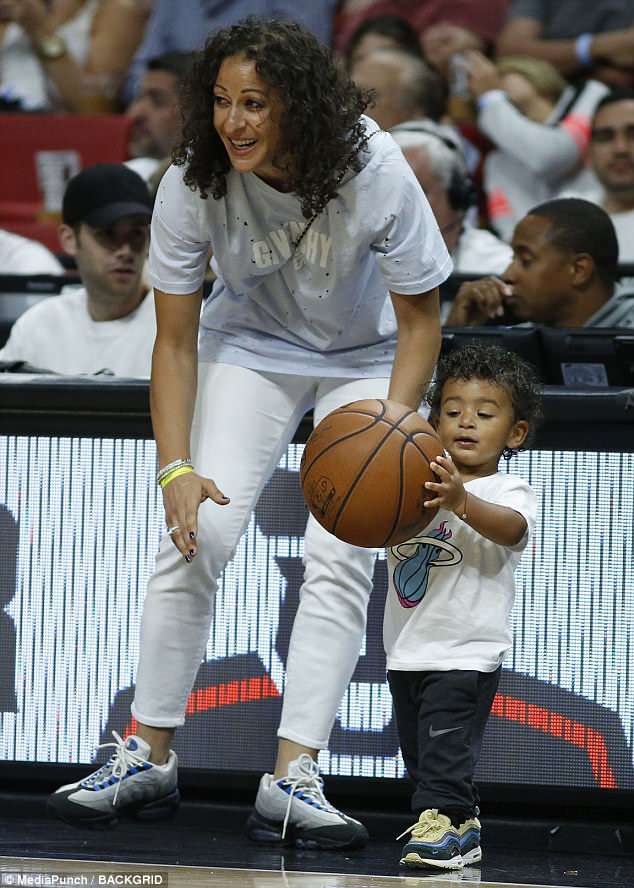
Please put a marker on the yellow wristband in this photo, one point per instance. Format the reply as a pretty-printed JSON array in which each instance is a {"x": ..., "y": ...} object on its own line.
[{"x": 181, "y": 470}]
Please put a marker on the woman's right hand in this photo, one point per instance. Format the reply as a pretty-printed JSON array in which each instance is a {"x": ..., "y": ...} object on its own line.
[{"x": 182, "y": 498}]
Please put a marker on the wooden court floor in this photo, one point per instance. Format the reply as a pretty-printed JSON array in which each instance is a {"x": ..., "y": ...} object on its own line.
[{"x": 22, "y": 872}]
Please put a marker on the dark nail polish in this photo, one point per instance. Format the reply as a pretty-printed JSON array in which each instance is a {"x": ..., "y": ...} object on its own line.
[
  {"x": 188, "y": 559},
  {"x": 192, "y": 535},
  {"x": 192, "y": 552}
]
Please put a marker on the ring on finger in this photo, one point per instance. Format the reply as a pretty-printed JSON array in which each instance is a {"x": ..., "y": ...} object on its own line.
[{"x": 172, "y": 530}]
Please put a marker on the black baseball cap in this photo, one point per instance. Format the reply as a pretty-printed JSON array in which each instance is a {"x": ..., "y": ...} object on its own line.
[{"x": 103, "y": 193}]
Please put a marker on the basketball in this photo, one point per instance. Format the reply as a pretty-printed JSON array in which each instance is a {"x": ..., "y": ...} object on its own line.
[{"x": 363, "y": 472}]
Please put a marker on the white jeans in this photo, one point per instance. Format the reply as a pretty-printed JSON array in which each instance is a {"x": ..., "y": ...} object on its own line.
[{"x": 243, "y": 423}]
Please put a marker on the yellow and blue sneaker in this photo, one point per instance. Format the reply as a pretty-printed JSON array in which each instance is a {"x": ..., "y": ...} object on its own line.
[
  {"x": 434, "y": 842},
  {"x": 469, "y": 835}
]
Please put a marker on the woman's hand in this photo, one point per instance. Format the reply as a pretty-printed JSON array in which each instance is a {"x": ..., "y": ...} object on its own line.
[
  {"x": 483, "y": 74},
  {"x": 182, "y": 498},
  {"x": 449, "y": 489}
]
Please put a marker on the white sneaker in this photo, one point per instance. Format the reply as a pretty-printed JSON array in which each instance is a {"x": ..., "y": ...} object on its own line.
[
  {"x": 127, "y": 782},
  {"x": 294, "y": 810}
]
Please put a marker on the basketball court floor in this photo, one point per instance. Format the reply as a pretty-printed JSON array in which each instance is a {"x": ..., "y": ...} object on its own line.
[
  {"x": 205, "y": 845},
  {"x": 16, "y": 871},
  {"x": 20, "y": 871}
]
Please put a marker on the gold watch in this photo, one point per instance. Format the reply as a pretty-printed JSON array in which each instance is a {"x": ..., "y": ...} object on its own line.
[{"x": 51, "y": 47}]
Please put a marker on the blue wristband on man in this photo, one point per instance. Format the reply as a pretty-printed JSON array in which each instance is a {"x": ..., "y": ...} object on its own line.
[{"x": 583, "y": 49}]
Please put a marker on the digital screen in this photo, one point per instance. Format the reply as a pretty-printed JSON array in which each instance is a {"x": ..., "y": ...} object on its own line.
[{"x": 80, "y": 521}]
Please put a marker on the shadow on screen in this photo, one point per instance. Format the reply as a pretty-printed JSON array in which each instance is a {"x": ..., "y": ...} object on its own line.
[{"x": 8, "y": 574}]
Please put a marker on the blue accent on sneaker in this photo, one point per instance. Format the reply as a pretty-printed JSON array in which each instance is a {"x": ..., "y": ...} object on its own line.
[
  {"x": 308, "y": 800},
  {"x": 471, "y": 835}
]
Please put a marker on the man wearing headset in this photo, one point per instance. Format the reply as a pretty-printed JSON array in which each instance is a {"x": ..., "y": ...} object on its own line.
[{"x": 439, "y": 166}]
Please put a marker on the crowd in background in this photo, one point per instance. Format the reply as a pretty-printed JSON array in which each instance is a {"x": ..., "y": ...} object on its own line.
[{"x": 498, "y": 105}]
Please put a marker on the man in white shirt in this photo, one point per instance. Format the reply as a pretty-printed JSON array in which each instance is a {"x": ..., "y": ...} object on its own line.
[
  {"x": 439, "y": 166},
  {"x": 20, "y": 255},
  {"x": 107, "y": 324},
  {"x": 611, "y": 157}
]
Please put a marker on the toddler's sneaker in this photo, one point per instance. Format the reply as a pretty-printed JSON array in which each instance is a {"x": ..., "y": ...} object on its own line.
[
  {"x": 469, "y": 835},
  {"x": 434, "y": 842},
  {"x": 294, "y": 810},
  {"x": 128, "y": 783}
]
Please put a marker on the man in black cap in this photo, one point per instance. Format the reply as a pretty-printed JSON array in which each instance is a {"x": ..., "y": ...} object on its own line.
[{"x": 108, "y": 323}]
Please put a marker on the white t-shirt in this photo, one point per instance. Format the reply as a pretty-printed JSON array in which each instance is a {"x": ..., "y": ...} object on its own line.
[
  {"x": 589, "y": 188},
  {"x": 143, "y": 166},
  {"x": 451, "y": 590},
  {"x": 480, "y": 252},
  {"x": 322, "y": 309},
  {"x": 624, "y": 227},
  {"x": 20, "y": 255},
  {"x": 58, "y": 334}
]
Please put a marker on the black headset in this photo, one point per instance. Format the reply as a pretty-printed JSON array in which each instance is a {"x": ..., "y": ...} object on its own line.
[{"x": 461, "y": 192}]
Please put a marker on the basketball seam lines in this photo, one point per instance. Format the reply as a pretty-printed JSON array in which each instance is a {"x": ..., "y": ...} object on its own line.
[
  {"x": 397, "y": 513},
  {"x": 376, "y": 419},
  {"x": 409, "y": 437},
  {"x": 360, "y": 474}
]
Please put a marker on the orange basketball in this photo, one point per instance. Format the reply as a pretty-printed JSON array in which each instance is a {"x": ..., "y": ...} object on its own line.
[{"x": 364, "y": 469}]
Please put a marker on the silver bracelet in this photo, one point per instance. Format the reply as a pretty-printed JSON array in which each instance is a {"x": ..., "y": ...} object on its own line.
[{"x": 170, "y": 467}]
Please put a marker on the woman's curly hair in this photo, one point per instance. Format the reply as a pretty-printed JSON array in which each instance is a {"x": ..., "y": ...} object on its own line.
[
  {"x": 320, "y": 130},
  {"x": 496, "y": 365}
]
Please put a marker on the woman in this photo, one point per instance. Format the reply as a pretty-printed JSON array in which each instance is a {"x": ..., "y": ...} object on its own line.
[
  {"x": 69, "y": 55},
  {"x": 540, "y": 128},
  {"x": 312, "y": 214}
]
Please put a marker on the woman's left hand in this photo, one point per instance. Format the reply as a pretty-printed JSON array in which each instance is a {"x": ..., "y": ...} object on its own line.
[{"x": 449, "y": 489}]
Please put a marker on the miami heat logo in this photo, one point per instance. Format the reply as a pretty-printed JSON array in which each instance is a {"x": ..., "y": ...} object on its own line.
[{"x": 416, "y": 557}]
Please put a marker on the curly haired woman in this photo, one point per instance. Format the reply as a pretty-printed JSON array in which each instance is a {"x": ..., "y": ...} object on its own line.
[{"x": 328, "y": 261}]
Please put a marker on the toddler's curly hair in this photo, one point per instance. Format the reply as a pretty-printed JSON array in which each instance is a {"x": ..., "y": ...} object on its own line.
[{"x": 500, "y": 367}]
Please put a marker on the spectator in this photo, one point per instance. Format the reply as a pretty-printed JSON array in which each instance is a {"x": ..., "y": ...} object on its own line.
[
  {"x": 611, "y": 156},
  {"x": 532, "y": 85},
  {"x": 405, "y": 87},
  {"x": 184, "y": 26},
  {"x": 108, "y": 323},
  {"x": 478, "y": 21},
  {"x": 155, "y": 113},
  {"x": 68, "y": 55},
  {"x": 535, "y": 155},
  {"x": 382, "y": 32},
  {"x": 19, "y": 255},
  {"x": 577, "y": 37},
  {"x": 563, "y": 273},
  {"x": 442, "y": 172}
]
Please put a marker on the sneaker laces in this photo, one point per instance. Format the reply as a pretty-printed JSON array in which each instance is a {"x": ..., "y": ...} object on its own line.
[
  {"x": 117, "y": 765},
  {"x": 307, "y": 780},
  {"x": 427, "y": 822}
]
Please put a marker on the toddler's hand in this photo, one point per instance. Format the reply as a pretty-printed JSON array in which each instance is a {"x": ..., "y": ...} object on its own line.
[{"x": 449, "y": 489}]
